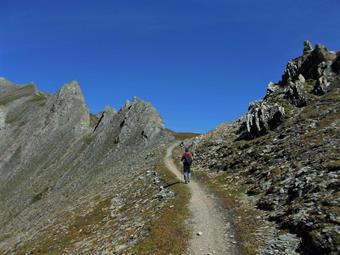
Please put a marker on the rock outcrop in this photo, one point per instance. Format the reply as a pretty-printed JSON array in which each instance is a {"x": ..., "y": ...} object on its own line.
[
  {"x": 321, "y": 86},
  {"x": 311, "y": 65},
  {"x": 261, "y": 118},
  {"x": 295, "y": 92},
  {"x": 307, "y": 47}
]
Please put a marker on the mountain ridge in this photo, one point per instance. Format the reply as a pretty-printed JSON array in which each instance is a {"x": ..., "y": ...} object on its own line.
[{"x": 51, "y": 155}]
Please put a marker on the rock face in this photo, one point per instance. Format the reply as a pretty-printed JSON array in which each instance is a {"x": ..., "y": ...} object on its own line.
[
  {"x": 290, "y": 168},
  {"x": 60, "y": 164}
]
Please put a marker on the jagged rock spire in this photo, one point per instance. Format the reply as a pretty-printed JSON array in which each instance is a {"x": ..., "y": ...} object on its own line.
[
  {"x": 307, "y": 47},
  {"x": 71, "y": 90}
]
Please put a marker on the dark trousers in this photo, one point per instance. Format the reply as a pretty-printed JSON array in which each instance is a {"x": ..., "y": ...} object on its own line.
[{"x": 187, "y": 173}]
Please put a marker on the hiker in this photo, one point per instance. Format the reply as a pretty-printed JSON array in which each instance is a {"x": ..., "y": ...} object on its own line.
[{"x": 187, "y": 158}]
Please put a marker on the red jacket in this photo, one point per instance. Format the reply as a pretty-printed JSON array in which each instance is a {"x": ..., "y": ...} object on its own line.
[{"x": 190, "y": 154}]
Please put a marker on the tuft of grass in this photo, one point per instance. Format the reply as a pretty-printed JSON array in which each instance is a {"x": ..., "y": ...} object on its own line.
[{"x": 169, "y": 234}]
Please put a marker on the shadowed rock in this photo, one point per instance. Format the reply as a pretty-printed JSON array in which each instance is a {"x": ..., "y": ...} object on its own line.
[
  {"x": 336, "y": 64},
  {"x": 295, "y": 94},
  {"x": 309, "y": 65},
  {"x": 307, "y": 47},
  {"x": 261, "y": 118}
]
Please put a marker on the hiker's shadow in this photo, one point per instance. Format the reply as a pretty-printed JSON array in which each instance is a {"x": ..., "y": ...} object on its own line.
[{"x": 172, "y": 184}]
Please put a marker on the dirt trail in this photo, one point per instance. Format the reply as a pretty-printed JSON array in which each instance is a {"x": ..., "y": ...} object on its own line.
[{"x": 206, "y": 218}]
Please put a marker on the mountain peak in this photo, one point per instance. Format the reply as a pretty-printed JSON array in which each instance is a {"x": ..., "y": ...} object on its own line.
[{"x": 71, "y": 89}]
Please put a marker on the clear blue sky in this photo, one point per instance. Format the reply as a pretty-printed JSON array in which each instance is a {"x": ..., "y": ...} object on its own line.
[{"x": 200, "y": 62}]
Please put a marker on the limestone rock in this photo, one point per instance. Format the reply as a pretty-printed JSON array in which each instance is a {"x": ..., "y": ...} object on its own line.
[
  {"x": 307, "y": 47},
  {"x": 261, "y": 118},
  {"x": 271, "y": 88},
  {"x": 295, "y": 95},
  {"x": 308, "y": 64},
  {"x": 301, "y": 78},
  {"x": 321, "y": 86}
]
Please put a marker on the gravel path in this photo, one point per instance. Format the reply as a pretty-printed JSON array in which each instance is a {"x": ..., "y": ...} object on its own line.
[{"x": 211, "y": 233}]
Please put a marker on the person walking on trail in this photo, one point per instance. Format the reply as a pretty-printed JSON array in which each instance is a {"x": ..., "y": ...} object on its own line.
[{"x": 187, "y": 159}]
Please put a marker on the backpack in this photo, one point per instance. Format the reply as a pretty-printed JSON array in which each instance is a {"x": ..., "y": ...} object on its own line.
[{"x": 187, "y": 159}]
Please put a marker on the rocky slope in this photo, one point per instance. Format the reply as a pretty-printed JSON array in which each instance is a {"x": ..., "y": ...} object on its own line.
[
  {"x": 285, "y": 151},
  {"x": 70, "y": 181}
]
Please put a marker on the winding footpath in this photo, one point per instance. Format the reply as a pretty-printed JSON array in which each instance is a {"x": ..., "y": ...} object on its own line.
[{"x": 211, "y": 232}]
